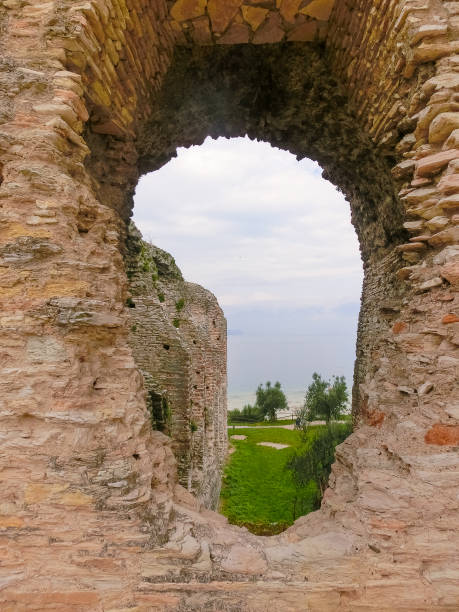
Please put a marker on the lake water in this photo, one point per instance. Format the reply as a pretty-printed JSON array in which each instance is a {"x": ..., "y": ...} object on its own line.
[{"x": 295, "y": 401}]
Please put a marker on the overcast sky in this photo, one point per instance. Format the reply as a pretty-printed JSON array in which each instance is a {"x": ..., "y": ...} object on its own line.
[{"x": 274, "y": 242}]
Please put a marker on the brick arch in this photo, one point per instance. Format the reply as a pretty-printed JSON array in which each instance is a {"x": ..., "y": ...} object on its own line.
[
  {"x": 288, "y": 98},
  {"x": 88, "y": 486}
]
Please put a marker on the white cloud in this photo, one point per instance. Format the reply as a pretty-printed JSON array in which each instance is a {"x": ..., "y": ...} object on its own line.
[
  {"x": 261, "y": 231},
  {"x": 252, "y": 224}
]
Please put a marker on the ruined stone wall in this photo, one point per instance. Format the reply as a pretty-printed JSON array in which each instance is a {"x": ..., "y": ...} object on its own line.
[
  {"x": 247, "y": 21},
  {"x": 91, "y": 514},
  {"x": 178, "y": 338},
  {"x": 389, "y": 61}
]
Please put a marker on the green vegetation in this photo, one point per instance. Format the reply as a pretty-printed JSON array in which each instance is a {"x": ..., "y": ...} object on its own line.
[
  {"x": 180, "y": 304},
  {"x": 313, "y": 461},
  {"x": 325, "y": 400},
  {"x": 176, "y": 322},
  {"x": 160, "y": 412},
  {"x": 248, "y": 415},
  {"x": 256, "y": 423},
  {"x": 145, "y": 259},
  {"x": 269, "y": 400},
  {"x": 266, "y": 489},
  {"x": 258, "y": 491},
  {"x": 161, "y": 297}
]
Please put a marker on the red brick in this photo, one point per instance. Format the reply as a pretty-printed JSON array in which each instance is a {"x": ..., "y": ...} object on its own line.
[
  {"x": 376, "y": 418},
  {"x": 399, "y": 327},
  {"x": 443, "y": 435}
]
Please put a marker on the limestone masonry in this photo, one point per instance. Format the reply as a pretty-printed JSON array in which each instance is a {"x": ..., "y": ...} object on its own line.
[
  {"x": 94, "y": 514},
  {"x": 178, "y": 339}
]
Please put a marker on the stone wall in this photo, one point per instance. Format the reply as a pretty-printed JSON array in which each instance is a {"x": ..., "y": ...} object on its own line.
[
  {"x": 178, "y": 339},
  {"x": 228, "y": 22},
  {"x": 93, "y": 94}
]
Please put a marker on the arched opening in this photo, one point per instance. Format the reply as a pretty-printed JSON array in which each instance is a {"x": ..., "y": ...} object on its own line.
[
  {"x": 304, "y": 111},
  {"x": 279, "y": 101},
  {"x": 274, "y": 243}
]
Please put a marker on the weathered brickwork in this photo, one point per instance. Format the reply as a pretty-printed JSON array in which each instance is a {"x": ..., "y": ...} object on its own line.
[
  {"x": 228, "y": 22},
  {"x": 178, "y": 339},
  {"x": 93, "y": 94}
]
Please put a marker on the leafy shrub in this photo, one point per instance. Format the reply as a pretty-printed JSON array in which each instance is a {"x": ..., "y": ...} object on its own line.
[
  {"x": 314, "y": 460},
  {"x": 249, "y": 414},
  {"x": 180, "y": 304}
]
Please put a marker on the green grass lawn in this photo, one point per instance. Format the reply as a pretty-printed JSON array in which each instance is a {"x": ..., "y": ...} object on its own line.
[{"x": 258, "y": 492}]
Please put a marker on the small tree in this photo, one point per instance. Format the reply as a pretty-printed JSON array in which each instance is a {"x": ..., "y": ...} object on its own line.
[
  {"x": 270, "y": 399},
  {"x": 325, "y": 399}
]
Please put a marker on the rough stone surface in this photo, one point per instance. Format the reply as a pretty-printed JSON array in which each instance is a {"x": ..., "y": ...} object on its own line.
[
  {"x": 262, "y": 21},
  {"x": 273, "y": 445},
  {"x": 92, "y": 94},
  {"x": 178, "y": 338}
]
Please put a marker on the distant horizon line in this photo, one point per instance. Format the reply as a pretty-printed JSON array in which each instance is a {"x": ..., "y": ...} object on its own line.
[
  {"x": 284, "y": 389},
  {"x": 243, "y": 391}
]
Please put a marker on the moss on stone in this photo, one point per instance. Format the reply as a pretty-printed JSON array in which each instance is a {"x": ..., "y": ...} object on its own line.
[
  {"x": 180, "y": 304},
  {"x": 142, "y": 257}
]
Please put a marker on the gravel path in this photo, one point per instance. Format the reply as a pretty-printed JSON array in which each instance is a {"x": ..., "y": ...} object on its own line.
[{"x": 291, "y": 426}]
